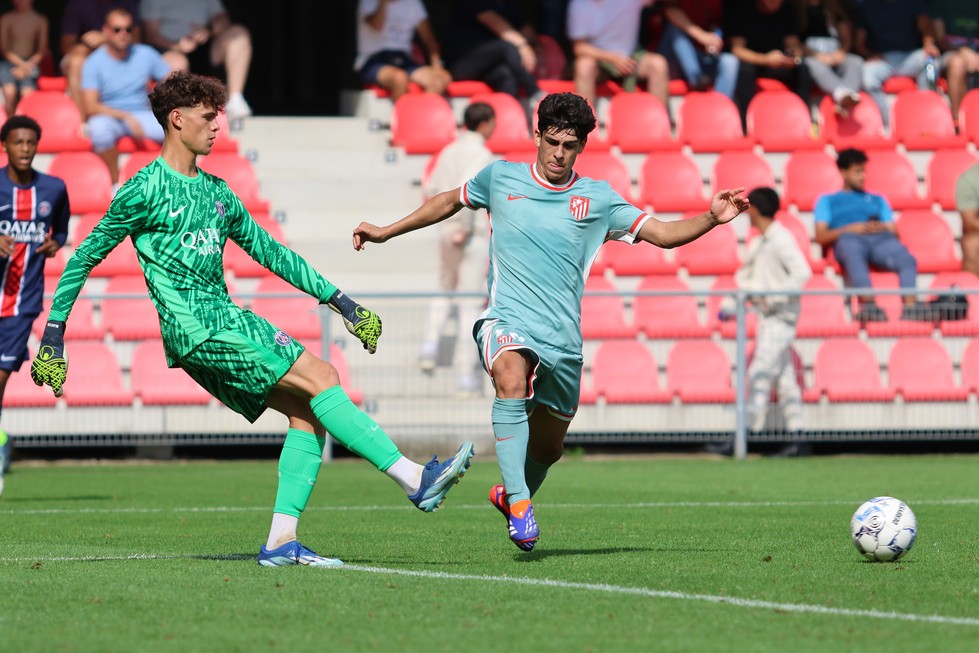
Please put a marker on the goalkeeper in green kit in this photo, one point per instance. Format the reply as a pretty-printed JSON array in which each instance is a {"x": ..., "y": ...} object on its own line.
[{"x": 179, "y": 218}]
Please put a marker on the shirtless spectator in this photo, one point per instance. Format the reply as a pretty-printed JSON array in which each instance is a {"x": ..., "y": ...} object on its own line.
[{"x": 23, "y": 41}]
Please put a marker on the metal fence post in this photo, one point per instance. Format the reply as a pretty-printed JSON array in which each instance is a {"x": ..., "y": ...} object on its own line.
[{"x": 741, "y": 343}]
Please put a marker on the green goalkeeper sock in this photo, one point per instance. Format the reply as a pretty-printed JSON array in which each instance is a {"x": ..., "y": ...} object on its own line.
[
  {"x": 512, "y": 434},
  {"x": 299, "y": 465},
  {"x": 353, "y": 428},
  {"x": 535, "y": 473}
]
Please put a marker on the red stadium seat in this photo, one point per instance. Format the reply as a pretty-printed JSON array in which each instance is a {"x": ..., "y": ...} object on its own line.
[
  {"x": 603, "y": 316},
  {"x": 625, "y": 372},
  {"x": 716, "y": 252},
  {"x": 639, "y": 259},
  {"x": 87, "y": 179},
  {"x": 727, "y": 328},
  {"x": 136, "y": 162},
  {"x": 296, "y": 315},
  {"x": 807, "y": 175},
  {"x": 969, "y": 365},
  {"x": 670, "y": 181},
  {"x": 511, "y": 131},
  {"x": 81, "y": 323},
  {"x": 699, "y": 372},
  {"x": 60, "y": 121},
  {"x": 920, "y": 120},
  {"x": 969, "y": 116},
  {"x": 944, "y": 169},
  {"x": 921, "y": 370},
  {"x": 128, "y": 144},
  {"x": 464, "y": 88},
  {"x": 22, "y": 393},
  {"x": 863, "y": 128},
  {"x": 238, "y": 173},
  {"x": 422, "y": 123},
  {"x": 737, "y": 169},
  {"x": 608, "y": 167},
  {"x": 893, "y": 305},
  {"x": 667, "y": 316},
  {"x": 846, "y": 370},
  {"x": 781, "y": 122},
  {"x": 823, "y": 316},
  {"x": 130, "y": 318},
  {"x": 968, "y": 327},
  {"x": 899, "y": 84},
  {"x": 338, "y": 360},
  {"x": 710, "y": 122},
  {"x": 928, "y": 237},
  {"x": 156, "y": 384},
  {"x": 891, "y": 174},
  {"x": 551, "y": 59},
  {"x": 96, "y": 378},
  {"x": 120, "y": 261},
  {"x": 639, "y": 123}
]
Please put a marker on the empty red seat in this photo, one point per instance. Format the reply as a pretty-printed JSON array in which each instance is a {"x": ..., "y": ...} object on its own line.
[
  {"x": 132, "y": 317},
  {"x": 920, "y": 120},
  {"x": 511, "y": 131},
  {"x": 667, "y": 316},
  {"x": 639, "y": 259},
  {"x": 964, "y": 281},
  {"x": 928, "y": 237},
  {"x": 609, "y": 167},
  {"x": 781, "y": 122},
  {"x": 969, "y": 367},
  {"x": 60, "y": 121},
  {"x": 921, "y": 370},
  {"x": 710, "y": 122},
  {"x": 893, "y": 305},
  {"x": 21, "y": 392},
  {"x": 944, "y": 169},
  {"x": 136, "y": 162},
  {"x": 807, "y": 175},
  {"x": 823, "y": 315},
  {"x": 625, "y": 372},
  {"x": 603, "y": 316},
  {"x": 741, "y": 169},
  {"x": 862, "y": 128},
  {"x": 297, "y": 314},
  {"x": 969, "y": 116},
  {"x": 699, "y": 372},
  {"x": 422, "y": 123},
  {"x": 81, "y": 322},
  {"x": 727, "y": 328},
  {"x": 128, "y": 144},
  {"x": 121, "y": 261},
  {"x": 716, "y": 252},
  {"x": 464, "y": 88},
  {"x": 96, "y": 378},
  {"x": 670, "y": 181},
  {"x": 846, "y": 370},
  {"x": 87, "y": 179},
  {"x": 158, "y": 385},
  {"x": 639, "y": 123},
  {"x": 891, "y": 174},
  {"x": 238, "y": 173}
]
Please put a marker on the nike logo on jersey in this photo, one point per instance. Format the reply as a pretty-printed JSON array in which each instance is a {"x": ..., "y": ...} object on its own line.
[
  {"x": 7, "y": 359},
  {"x": 516, "y": 197},
  {"x": 509, "y": 437},
  {"x": 174, "y": 214},
  {"x": 4, "y": 207}
]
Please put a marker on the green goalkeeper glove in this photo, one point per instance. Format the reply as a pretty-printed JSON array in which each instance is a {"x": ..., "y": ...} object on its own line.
[
  {"x": 363, "y": 323},
  {"x": 50, "y": 366}
]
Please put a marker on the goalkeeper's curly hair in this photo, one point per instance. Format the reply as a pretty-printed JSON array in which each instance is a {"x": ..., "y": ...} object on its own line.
[
  {"x": 566, "y": 112},
  {"x": 183, "y": 90}
]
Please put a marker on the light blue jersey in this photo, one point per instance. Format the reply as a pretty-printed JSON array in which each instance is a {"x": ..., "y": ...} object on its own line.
[{"x": 542, "y": 244}]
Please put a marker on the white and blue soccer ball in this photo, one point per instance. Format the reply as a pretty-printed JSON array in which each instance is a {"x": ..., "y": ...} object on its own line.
[{"x": 883, "y": 529}]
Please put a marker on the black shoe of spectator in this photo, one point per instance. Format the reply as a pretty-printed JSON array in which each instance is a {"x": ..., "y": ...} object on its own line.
[
  {"x": 794, "y": 450},
  {"x": 871, "y": 312},
  {"x": 720, "y": 448},
  {"x": 918, "y": 312}
]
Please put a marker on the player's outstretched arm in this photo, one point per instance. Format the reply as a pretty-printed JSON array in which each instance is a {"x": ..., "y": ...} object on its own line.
[
  {"x": 50, "y": 366},
  {"x": 724, "y": 207},
  {"x": 436, "y": 209}
]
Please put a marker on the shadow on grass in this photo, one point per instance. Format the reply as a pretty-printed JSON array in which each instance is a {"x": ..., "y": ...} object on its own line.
[
  {"x": 540, "y": 554},
  {"x": 90, "y": 497}
]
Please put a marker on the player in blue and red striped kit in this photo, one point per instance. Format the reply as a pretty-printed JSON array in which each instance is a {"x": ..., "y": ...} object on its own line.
[{"x": 34, "y": 214}]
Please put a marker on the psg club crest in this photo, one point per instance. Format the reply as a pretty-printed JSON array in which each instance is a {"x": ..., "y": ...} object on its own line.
[
  {"x": 44, "y": 209},
  {"x": 579, "y": 207},
  {"x": 282, "y": 338},
  {"x": 220, "y": 208}
]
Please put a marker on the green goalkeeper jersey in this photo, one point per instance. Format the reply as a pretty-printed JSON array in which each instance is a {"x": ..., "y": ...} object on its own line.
[{"x": 179, "y": 226}]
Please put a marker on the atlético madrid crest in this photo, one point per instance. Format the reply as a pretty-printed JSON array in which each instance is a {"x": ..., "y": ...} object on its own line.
[{"x": 579, "y": 207}]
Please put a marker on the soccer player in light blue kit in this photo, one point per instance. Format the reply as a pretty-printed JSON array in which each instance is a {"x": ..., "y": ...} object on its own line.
[{"x": 548, "y": 224}]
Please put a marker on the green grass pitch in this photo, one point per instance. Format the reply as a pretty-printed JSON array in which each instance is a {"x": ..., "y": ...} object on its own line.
[{"x": 636, "y": 554}]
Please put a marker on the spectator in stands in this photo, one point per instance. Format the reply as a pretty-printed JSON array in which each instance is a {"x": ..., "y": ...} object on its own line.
[
  {"x": 384, "y": 35},
  {"x": 956, "y": 27},
  {"x": 198, "y": 35},
  {"x": 548, "y": 224},
  {"x": 114, "y": 81},
  {"x": 605, "y": 40},
  {"x": 827, "y": 34},
  {"x": 764, "y": 36},
  {"x": 463, "y": 245},
  {"x": 33, "y": 227},
  {"x": 692, "y": 42},
  {"x": 491, "y": 40},
  {"x": 859, "y": 226},
  {"x": 894, "y": 37},
  {"x": 967, "y": 203},
  {"x": 180, "y": 219},
  {"x": 81, "y": 34},
  {"x": 773, "y": 262},
  {"x": 23, "y": 42}
]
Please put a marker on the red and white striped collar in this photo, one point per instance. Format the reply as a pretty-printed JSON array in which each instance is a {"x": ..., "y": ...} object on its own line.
[{"x": 548, "y": 185}]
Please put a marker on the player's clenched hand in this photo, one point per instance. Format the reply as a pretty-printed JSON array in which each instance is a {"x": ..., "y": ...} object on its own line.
[
  {"x": 728, "y": 204},
  {"x": 50, "y": 366},
  {"x": 365, "y": 233}
]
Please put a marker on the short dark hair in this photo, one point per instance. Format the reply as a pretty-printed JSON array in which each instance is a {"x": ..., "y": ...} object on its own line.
[
  {"x": 476, "y": 114},
  {"x": 19, "y": 122},
  {"x": 116, "y": 11},
  {"x": 765, "y": 200},
  {"x": 850, "y": 157},
  {"x": 183, "y": 89},
  {"x": 560, "y": 112}
]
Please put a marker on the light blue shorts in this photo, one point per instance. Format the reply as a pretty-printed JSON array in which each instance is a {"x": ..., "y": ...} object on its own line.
[{"x": 105, "y": 131}]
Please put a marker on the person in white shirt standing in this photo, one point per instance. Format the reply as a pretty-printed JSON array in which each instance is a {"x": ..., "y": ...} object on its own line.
[
  {"x": 773, "y": 262},
  {"x": 463, "y": 244}
]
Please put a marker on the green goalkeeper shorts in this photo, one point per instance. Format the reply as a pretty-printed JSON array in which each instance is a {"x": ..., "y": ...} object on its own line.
[{"x": 240, "y": 364}]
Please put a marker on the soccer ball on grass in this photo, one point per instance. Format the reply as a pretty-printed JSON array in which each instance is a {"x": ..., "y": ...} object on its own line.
[{"x": 883, "y": 529}]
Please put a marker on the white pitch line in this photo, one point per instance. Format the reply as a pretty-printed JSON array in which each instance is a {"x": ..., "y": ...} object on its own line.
[
  {"x": 480, "y": 506},
  {"x": 802, "y": 608}
]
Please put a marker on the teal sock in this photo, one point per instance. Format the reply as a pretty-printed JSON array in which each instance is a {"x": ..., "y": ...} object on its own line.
[
  {"x": 299, "y": 465},
  {"x": 512, "y": 435},
  {"x": 353, "y": 428},
  {"x": 535, "y": 473}
]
